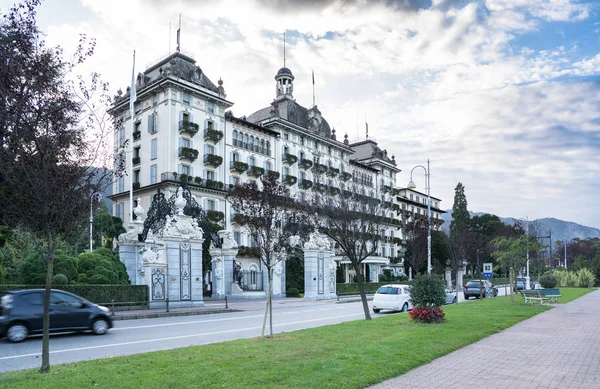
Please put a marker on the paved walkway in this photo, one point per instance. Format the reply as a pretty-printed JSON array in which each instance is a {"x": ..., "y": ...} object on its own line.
[{"x": 559, "y": 348}]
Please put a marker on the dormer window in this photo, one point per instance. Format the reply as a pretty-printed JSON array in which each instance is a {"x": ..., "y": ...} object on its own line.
[{"x": 185, "y": 98}]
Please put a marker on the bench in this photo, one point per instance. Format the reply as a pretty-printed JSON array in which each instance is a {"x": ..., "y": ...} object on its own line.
[
  {"x": 532, "y": 295},
  {"x": 552, "y": 293}
]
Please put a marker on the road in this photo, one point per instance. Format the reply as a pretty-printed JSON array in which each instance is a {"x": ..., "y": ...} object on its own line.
[{"x": 146, "y": 335}]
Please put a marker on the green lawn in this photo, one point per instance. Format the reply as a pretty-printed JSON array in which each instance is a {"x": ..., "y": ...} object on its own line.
[{"x": 349, "y": 355}]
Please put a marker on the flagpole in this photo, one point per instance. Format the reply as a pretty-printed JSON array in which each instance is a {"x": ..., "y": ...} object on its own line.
[
  {"x": 313, "y": 80},
  {"x": 132, "y": 98}
]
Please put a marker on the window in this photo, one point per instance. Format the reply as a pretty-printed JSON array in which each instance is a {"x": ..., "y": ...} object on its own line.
[
  {"x": 121, "y": 184},
  {"x": 210, "y": 175},
  {"x": 262, "y": 146},
  {"x": 209, "y": 149},
  {"x": 185, "y": 169},
  {"x": 210, "y": 125},
  {"x": 256, "y": 147},
  {"x": 268, "y": 165},
  {"x": 184, "y": 142},
  {"x": 286, "y": 136},
  {"x": 152, "y": 174},
  {"x": 210, "y": 107},
  {"x": 246, "y": 141},
  {"x": 120, "y": 211},
  {"x": 137, "y": 126},
  {"x": 210, "y": 205},
  {"x": 417, "y": 199},
  {"x": 301, "y": 155},
  {"x": 411, "y": 196},
  {"x": 185, "y": 98},
  {"x": 154, "y": 100},
  {"x": 302, "y": 141},
  {"x": 251, "y": 241},
  {"x": 237, "y": 236},
  {"x": 268, "y": 149},
  {"x": 286, "y": 171},
  {"x": 251, "y": 161},
  {"x": 153, "y": 148},
  {"x": 235, "y": 157},
  {"x": 233, "y": 180},
  {"x": 136, "y": 176},
  {"x": 234, "y": 137},
  {"x": 329, "y": 150},
  {"x": 251, "y": 143}
]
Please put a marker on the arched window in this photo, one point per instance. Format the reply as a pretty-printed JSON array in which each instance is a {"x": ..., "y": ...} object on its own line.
[
  {"x": 268, "y": 150},
  {"x": 245, "y": 141},
  {"x": 251, "y": 143},
  {"x": 235, "y": 137},
  {"x": 262, "y": 146},
  {"x": 256, "y": 144}
]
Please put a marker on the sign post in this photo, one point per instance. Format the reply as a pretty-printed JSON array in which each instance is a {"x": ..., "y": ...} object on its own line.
[{"x": 487, "y": 270}]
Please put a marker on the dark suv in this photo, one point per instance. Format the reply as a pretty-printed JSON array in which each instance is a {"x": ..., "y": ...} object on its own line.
[
  {"x": 477, "y": 288},
  {"x": 21, "y": 314}
]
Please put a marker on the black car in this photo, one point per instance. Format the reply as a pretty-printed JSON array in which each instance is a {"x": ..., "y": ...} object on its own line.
[
  {"x": 477, "y": 288},
  {"x": 21, "y": 314}
]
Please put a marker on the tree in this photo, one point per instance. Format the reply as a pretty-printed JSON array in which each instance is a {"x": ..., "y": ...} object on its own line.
[
  {"x": 416, "y": 243},
  {"x": 354, "y": 222},
  {"x": 46, "y": 176},
  {"x": 269, "y": 218},
  {"x": 459, "y": 229}
]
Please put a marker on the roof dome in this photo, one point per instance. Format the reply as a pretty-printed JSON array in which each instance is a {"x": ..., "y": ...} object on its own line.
[{"x": 284, "y": 71}]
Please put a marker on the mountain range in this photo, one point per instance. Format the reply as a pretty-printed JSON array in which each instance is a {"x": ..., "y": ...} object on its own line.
[{"x": 561, "y": 229}]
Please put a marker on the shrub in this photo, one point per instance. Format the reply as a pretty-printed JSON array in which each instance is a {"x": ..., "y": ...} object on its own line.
[
  {"x": 98, "y": 279},
  {"x": 383, "y": 278},
  {"x": 428, "y": 291},
  {"x": 293, "y": 292},
  {"x": 585, "y": 278},
  {"x": 60, "y": 279},
  {"x": 548, "y": 281}
]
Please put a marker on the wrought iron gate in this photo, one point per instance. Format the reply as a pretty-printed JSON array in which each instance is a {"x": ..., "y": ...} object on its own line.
[
  {"x": 185, "y": 276},
  {"x": 158, "y": 283}
]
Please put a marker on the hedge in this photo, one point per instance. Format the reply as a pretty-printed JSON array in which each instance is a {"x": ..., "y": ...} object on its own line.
[
  {"x": 99, "y": 294},
  {"x": 370, "y": 287}
]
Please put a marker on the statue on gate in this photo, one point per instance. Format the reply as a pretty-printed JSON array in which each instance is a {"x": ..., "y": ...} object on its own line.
[{"x": 238, "y": 273}]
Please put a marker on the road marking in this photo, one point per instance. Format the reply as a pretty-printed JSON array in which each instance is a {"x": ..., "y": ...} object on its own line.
[{"x": 172, "y": 338}]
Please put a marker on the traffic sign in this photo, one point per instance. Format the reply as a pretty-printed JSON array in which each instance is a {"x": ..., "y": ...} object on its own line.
[{"x": 487, "y": 270}]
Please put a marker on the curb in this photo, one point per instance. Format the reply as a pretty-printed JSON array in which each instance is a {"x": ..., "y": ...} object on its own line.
[{"x": 154, "y": 315}]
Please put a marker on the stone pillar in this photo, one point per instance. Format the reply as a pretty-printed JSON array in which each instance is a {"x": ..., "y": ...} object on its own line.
[
  {"x": 223, "y": 259},
  {"x": 319, "y": 269},
  {"x": 448, "y": 274}
]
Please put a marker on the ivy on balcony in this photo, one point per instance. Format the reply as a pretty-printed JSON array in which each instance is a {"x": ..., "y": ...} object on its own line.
[
  {"x": 214, "y": 215},
  {"x": 320, "y": 188},
  {"x": 306, "y": 184},
  {"x": 238, "y": 166},
  {"x": 136, "y": 185},
  {"x": 345, "y": 176},
  {"x": 213, "y": 159},
  {"x": 320, "y": 168},
  {"x": 211, "y": 184},
  {"x": 387, "y": 204},
  {"x": 137, "y": 135},
  {"x": 244, "y": 251},
  {"x": 386, "y": 188},
  {"x": 272, "y": 173},
  {"x": 289, "y": 179},
  {"x": 256, "y": 171},
  {"x": 396, "y": 241},
  {"x": 347, "y": 194},
  {"x": 189, "y": 127},
  {"x": 333, "y": 191},
  {"x": 333, "y": 171},
  {"x": 289, "y": 159},
  {"x": 213, "y": 135},
  {"x": 189, "y": 153},
  {"x": 185, "y": 178},
  {"x": 136, "y": 160},
  {"x": 305, "y": 164}
]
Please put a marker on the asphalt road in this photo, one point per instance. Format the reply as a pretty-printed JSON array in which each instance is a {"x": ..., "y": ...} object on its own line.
[{"x": 146, "y": 335}]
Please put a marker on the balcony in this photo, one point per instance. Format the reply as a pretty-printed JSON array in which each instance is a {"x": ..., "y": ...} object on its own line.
[
  {"x": 238, "y": 218},
  {"x": 214, "y": 136},
  {"x": 215, "y": 215},
  {"x": 255, "y": 171},
  {"x": 272, "y": 173},
  {"x": 347, "y": 194},
  {"x": 136, "y": 185},
  {"x": 238, "y": 166},
  {"x": 136, "y": 160},
  {"x": 345, "y": 176},
  {"x": 211, "y": 184},
  {"x": 188, "y": 127},
  {"x": 306, "y": 184},
  {"x": 305, "y": 164},
  {"x": 188, "y": 153},
  {"x": 289, "y": 179},
  {"x": 322, "y": 188},
  {"x": 289, "y": 159},
  {"x": 319, "y": 168},
  {"x": 186, "y": 178},
  {"x": 137, "y": 135},
  {"x": 213, "y": 160},
  {"x": 333, "y": 191},
  {"x": 387, "y": 204},
  {"x": 332, "y": 171},
  {"x": 386, "y": 189}
]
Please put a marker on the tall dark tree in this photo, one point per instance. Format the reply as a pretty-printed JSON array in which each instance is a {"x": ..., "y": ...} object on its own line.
[
  {"x": 268, "y": 214},
  {"x": 459, "y": 229},
  {"x": 415, "y": 231},
  {"x": 46, "y": 174}
]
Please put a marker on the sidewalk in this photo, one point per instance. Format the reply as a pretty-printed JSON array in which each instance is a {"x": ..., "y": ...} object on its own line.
[{"x": 559, "y": 348}]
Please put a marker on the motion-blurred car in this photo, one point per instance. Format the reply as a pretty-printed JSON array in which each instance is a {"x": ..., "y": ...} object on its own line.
[
  {"x": 21, "y": 314},
  {"x": 478, "y": 288},
  {"x": 392, "y": 297},
  {"x": 451, "y": 297},
  {"x": 522, "y": 283}
]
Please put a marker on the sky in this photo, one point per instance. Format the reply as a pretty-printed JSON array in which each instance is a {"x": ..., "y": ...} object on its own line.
[{"x": 500, "y": 95}]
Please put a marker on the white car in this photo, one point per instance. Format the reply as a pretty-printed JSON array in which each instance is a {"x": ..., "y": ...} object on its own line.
[{"x": 392, "y": 297}]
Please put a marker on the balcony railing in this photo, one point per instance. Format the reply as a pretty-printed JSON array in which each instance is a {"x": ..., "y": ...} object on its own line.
[
  {"x": 137, "y": 135},
  {"x": 238, "y": 166},
  {"x": 332, "y": 171},
  {"x": 136, "y": 185},
  {"x": 213, "y": 160},
  {"x": 305, "y": 164},
  {"x": 320, "y": 168},
  {"x": 136, "y": 160},
  {"x": 211, "y": 184},
  {"x": 333, "y": 191},
  {"x": 272, "y": 173},
  {"x": 189, "y": 127},
  {"x": 213, "y": 135},
  {"x": 345, "y": 176},
  {"x": 255, "y": 171},
  {"x": 188, "y": 153},
  {"x": 289, "y": 179},
  {"x": 320, "y": 188},
  {"x": 214, "y": 215},
  {"x": 289, "y": 159}
]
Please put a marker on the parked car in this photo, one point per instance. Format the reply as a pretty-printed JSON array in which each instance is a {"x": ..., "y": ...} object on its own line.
[
  {"x": 451, "y": 297},
  {"x": 521, "y": 283},
  {"x": 21, "y": 314},
  {"x": 474, "y": 288},
  {"x": 392, "y": 297}
]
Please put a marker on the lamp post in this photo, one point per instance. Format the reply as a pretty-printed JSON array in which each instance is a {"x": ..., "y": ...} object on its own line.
[
  {"x": 411, "y": 185},
  {"x": 527, "y": 284},
  {"x": 97, "y": 196}
]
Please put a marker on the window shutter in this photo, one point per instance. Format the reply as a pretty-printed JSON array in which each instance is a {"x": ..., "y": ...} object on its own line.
[
  {"x": 191, "y": 170},
  {"x": 180, "y": 142},
  {"x": 192, "y": 118},
  {"x": 179, "y": 168},
  {"x": 150, "y": 124},
  {"x": 155, "y": 127},
  {"x": 205, "y": 174},
  {"x": 180, "y": 116}
]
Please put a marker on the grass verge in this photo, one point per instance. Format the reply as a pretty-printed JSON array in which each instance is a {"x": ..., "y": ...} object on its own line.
[{"x": 348, "y": 355}]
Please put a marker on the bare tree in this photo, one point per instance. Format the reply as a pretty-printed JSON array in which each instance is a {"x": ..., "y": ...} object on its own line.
[
  {"x": 416, "y": 242},
  {"x": 355, "y": 222},
  {"x": 268, "y": 214},
  {"x": 47, "y": 166}
]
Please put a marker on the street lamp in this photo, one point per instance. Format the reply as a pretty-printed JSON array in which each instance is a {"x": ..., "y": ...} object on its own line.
[
  {"x": 97, "y": 196},
  {"x": 527, "y": 284},
  {"x": 411, "y": 185}
]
